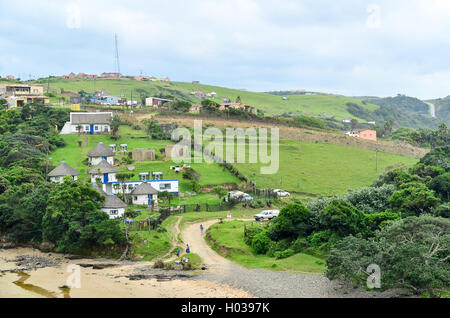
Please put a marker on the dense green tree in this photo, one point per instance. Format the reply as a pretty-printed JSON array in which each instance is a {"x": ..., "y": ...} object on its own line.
[
  {"x": 441, "y": 185},
  {"x": 115, "y": 124},
  {"x": 293, "y": 221},
  {"x": 439, "y": 157},
  {"x": 261, "y": 242},
  {"x": 73, "y": 219},
  {"x": 343, "y": 219},
  {"x": 412, "y": 253},
  {"x": 371, "y": 199},
  {"x": 413, "y": 199},
  {"x": 181, "y": 105}
]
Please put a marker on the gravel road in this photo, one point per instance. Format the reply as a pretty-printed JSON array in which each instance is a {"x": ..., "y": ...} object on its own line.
[{"x": 264, "y": 283}]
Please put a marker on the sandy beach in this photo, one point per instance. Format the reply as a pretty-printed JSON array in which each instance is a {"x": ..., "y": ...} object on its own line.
[{"x": 111, "y": 282}]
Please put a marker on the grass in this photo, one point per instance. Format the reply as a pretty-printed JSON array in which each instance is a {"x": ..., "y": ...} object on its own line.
[
  {"x": 271, "y": 104},
  {"x": 150, "y": 245},
  {"x": 323, "y": 169},
  {"x": 228, "y": 240}
]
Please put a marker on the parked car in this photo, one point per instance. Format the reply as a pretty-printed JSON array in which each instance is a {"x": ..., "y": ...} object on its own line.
[
  {"x": 266, "y": 215},
  {"x": 281, "y": 193},
  {"x": 239, "y": 196},
  {"x": 352, "y": 134}
]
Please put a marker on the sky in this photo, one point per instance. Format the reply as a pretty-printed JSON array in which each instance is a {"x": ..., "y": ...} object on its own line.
[{"x": 349, "y": 47}]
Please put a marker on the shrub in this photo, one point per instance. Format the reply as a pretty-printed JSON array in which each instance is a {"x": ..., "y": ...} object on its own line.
[
  {"x": 275, "y": 247},
  {"x": 250, "y": 233},
  {"x": 158, "y": 264},
  {"x": 284, "y": 254},
  {"x": 260, "y": 242},
  {"x": 300, "y": 244}
]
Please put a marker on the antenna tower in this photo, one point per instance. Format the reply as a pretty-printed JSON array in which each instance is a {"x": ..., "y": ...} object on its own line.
[{"x": 117, "y": 54}]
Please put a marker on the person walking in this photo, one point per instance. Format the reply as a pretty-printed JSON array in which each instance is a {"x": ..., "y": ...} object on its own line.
[
  {"x": 188, "y": 249},
  {"x": 201, "y": 229},
  {"x": 178, "y": 252}
]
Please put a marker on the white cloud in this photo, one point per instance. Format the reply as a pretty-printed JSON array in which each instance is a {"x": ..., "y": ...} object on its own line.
[{"x": 363, "y": 47}]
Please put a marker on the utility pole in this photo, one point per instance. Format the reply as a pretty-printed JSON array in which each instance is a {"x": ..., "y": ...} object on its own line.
[{"x": 376, "y": 160}]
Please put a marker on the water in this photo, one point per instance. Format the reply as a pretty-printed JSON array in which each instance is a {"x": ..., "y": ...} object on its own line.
[{"x": 65, "y": 291}]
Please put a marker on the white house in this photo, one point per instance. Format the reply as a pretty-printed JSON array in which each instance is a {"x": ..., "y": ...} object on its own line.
[
  {"x": 99, "y": 153},
  {"x": 57, "y": 174},
  {"x": 88, "y": 123},
  {"x": 112, "y": 205},
  {"x": 144, "y": 194},
  {"x": 106, "y": 173},
  {"x": 160, "y": 185}
]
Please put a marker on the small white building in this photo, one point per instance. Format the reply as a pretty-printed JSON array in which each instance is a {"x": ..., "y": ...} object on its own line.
[
  {"x": 106, "y": 173},
  {"x": 88, "y": 123},
  {"x": 57, "y": 174},
  {"x": 144, "y": 194},
  {"x": 99, "y": 153},
  {"x": 112, "y": 205},
  {"x": 160, "y": 185}
]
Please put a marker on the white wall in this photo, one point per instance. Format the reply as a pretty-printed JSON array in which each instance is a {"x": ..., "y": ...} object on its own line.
[
  {"x": 157, "y": 184},
  {"x": 143, "y": 199},
  {"x": 101, "y": 129},
  {"x": 109, "y": 211},
  {"x": 61, "y": 179},
  {"x": 111, "y": 177},
  {"x": 96, "y": 160}
]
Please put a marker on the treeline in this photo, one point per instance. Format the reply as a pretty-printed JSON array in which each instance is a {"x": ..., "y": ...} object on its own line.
[
  {"x": 427, "y": 138},
  {"x": 400, "y": 223},
  {"x": 391, "y": 113},
  {"x": 63, "y": 217}
]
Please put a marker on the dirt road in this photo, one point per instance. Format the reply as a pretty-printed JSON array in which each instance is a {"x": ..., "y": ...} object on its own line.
[{"x": 213, "y": 261}]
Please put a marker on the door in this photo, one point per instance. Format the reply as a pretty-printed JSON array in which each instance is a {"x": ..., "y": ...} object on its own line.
[
  {"x": 92, "y": 129},
  {"x": 105, "y": 178},
  {"x": 150, "y": 198}
]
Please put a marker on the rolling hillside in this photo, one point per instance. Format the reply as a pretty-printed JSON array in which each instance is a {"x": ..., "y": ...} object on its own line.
[{"x": 312, "y": 105}]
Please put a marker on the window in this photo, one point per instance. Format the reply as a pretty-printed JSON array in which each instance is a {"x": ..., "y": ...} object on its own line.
[
  {"x": 135, "y": 198},
  {"x": 106, "y": 128},
  {"x": 113, "y": 212},
  {"x": 165, "y": 186},
  {"x": 96, "y": 128},
  {"x": 86, "y": 128}
]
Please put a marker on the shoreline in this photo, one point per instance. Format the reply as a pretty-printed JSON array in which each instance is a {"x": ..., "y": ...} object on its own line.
[{"x": 46, "y": 275}]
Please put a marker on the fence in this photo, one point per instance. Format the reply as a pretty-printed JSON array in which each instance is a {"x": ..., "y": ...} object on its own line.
[{"x": 201, "y": 207}]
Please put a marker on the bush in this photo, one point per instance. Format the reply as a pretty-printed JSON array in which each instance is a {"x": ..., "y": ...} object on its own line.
[
  {"x": 250, "y": 233},
  {"x": 284, "y": 254},
  {"x": 300, "y": 244},
  {"x": 158, "y": 264},
  {"x": 275, "y": 247},
  {"x": 323, "y": 241},
  {"x": 261, "y": 242}
]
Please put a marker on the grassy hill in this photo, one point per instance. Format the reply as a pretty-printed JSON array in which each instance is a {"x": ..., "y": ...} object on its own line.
[
  {"x": 313, "y": 105},
  {"x": 323, "y": 169}
]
